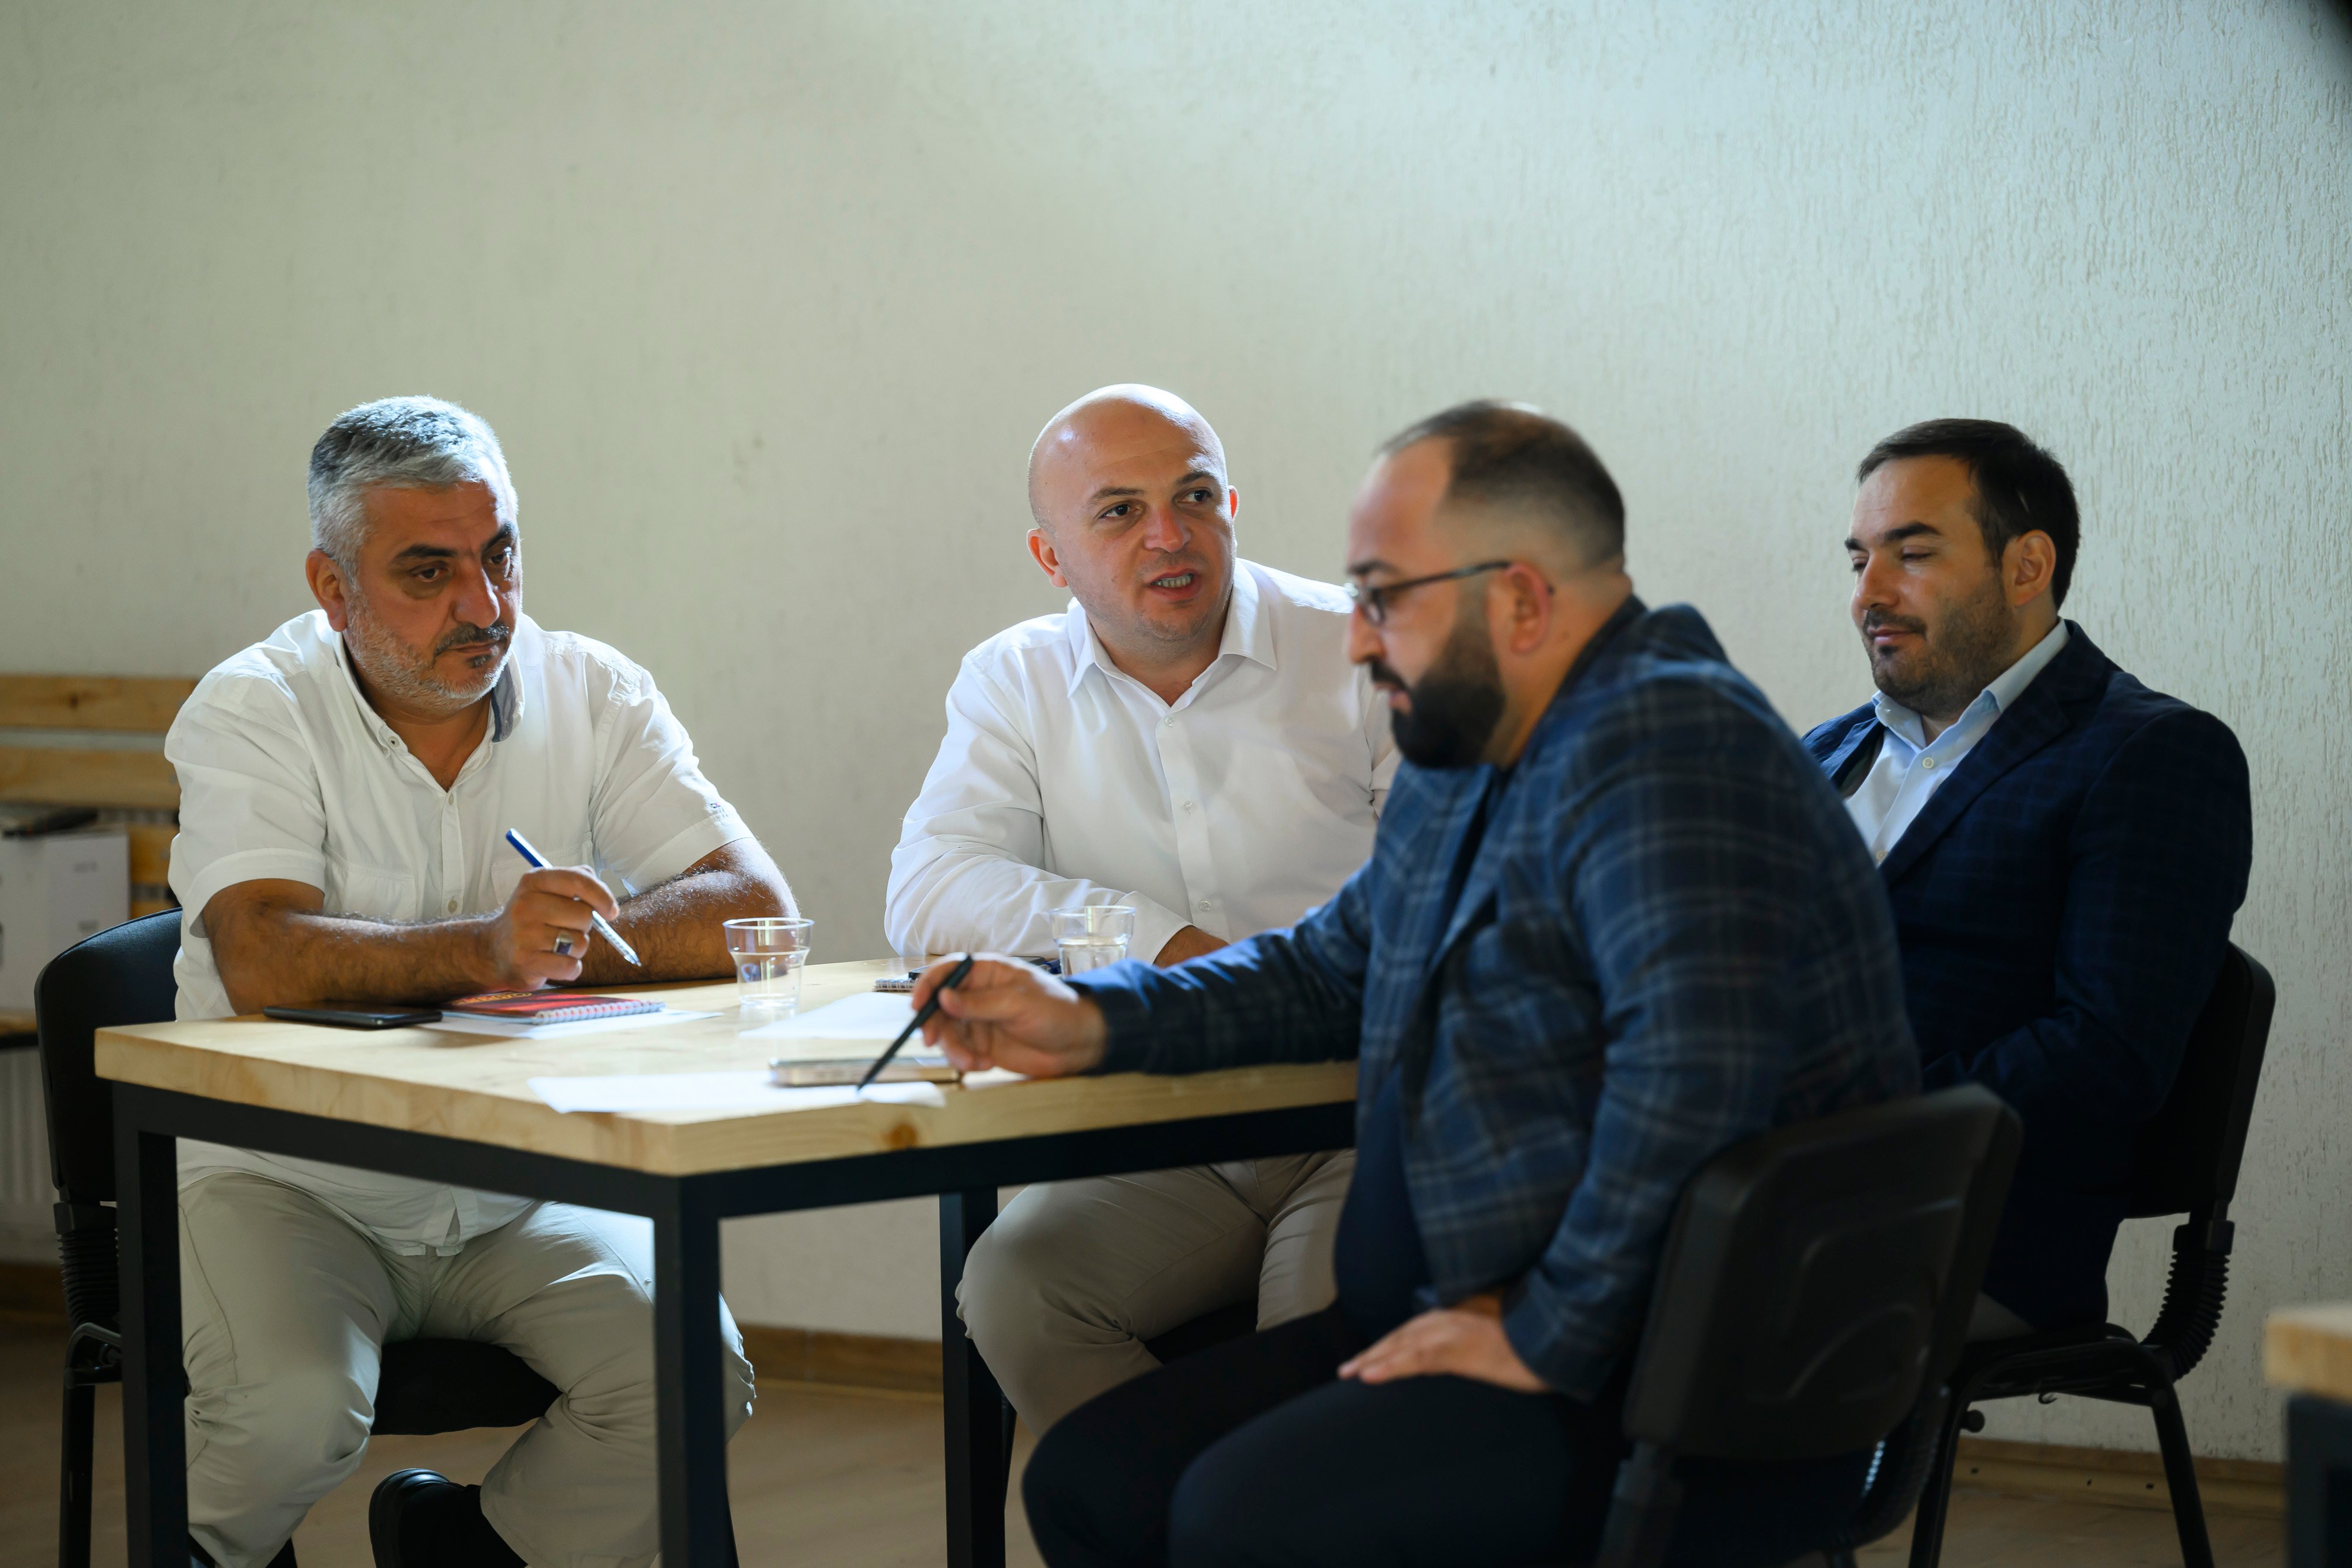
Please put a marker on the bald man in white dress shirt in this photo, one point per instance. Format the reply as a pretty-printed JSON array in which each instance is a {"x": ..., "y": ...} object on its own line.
[{"x": 1187, "y": 738}]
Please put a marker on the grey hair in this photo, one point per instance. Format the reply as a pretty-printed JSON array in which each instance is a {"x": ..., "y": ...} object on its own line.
[{"x": 408, "y": 443}]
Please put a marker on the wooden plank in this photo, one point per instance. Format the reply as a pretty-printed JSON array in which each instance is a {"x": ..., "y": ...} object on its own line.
[
  {"x": 72, "y": 776},
  {"x": 15, "y": 1022},
  {"x": 843, "y": 1360},
  {"x": 144, "y": 704},
  {"x": 2309, "y": 1350},
  {"x": 151, "y": 852},
  {"x": 2117, "y": 1476},
  {"x": 475, "y": 1086}
]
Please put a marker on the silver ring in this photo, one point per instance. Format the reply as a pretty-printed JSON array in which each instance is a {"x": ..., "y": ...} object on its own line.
[{"x": 564, "y": 946}]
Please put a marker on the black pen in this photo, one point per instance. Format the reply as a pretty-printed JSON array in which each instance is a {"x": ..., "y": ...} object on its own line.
[{"x": 955, "y": 977}]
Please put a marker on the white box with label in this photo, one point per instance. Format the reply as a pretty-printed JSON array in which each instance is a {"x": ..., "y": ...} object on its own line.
[{"x": 55, "y": 889}]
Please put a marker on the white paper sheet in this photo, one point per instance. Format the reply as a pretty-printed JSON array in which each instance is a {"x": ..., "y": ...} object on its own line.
[
  {"x": 868, "y": 1018},
  {"x": 746, "y": 1091},
  {"x": 516, "y": 1029}
]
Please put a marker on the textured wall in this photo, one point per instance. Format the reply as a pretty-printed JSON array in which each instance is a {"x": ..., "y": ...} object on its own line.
[{"x": 768, "y": 299}]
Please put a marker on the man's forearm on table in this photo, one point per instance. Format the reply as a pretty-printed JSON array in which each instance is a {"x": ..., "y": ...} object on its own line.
[
  {"x": 290, "y": 958},
  {"x": 676, "y": 927}
]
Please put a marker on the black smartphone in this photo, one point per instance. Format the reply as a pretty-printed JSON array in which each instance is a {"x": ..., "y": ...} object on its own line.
[{"x": 355, "y": 1016}]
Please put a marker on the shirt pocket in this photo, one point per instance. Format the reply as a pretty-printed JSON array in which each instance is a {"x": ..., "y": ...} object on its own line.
[{"x": 373, "y": 892}]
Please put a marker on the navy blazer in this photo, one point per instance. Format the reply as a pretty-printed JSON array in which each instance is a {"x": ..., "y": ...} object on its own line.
[
  {"x": 1668, "y": 937},
  {"x": 2063, "y": 901}
]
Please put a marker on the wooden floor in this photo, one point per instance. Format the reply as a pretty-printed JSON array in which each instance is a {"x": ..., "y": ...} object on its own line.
[{"x": 851, "y": 1480}]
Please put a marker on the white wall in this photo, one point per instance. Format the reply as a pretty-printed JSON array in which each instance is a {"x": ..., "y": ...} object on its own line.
[{"x": 767, "y": 301}]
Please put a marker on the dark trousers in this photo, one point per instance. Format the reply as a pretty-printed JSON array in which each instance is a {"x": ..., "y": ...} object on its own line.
[{"x": 1255, "y": 1453}]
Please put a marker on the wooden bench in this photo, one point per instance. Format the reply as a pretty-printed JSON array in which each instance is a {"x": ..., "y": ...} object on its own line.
[{"x": 67, "y": 740}]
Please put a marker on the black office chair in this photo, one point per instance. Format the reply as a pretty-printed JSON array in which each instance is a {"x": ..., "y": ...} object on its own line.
[
  {"x": 124, "y": 976},
  {"x": 1812, "y": 1297},
  {"x": 2186, "y": 1163}
]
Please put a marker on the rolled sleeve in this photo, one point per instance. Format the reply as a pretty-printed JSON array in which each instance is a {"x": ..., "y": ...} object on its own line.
[
  {"x": 655, "y": 814},
  {"x": 250, "y": 806}
]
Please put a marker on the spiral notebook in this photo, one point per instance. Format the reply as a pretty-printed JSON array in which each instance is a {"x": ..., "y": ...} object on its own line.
[
  {"x": 542, "y": 1015},
  {"x": 547, "y": 1007}
]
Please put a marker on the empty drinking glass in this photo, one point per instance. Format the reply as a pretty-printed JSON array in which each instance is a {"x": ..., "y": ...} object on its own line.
[
  {"x": 1093, "y": 936},
  {"x": 768, "y": 955}
]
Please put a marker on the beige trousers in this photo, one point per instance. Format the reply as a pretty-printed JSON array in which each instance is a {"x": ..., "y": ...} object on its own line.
[
  {"x": 1061, "y": 1292},
  {"x": 287, "y": 1306}
]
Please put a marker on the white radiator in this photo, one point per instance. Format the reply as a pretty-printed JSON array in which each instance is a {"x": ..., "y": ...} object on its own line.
[{"x": 27, "y": 1230}]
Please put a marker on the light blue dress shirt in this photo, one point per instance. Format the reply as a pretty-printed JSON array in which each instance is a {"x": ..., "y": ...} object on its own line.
[{"x": 1909, "y": 768}]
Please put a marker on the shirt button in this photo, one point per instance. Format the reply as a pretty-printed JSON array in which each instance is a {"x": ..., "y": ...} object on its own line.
[
  {"x": 453, "y": 907},
  {"x": 1207, "y": 905},
  {"x": 1189, "y": 805},
  {"x": 1926, "y": 762}
]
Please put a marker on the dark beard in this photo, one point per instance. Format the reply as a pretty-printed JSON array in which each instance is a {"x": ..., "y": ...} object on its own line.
[
  {"x": 1457, "y": 702},
  {"x": 1953, "y": 665}
]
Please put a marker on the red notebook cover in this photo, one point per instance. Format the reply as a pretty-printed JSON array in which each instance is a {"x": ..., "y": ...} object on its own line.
[{"x": 548, "y": 1007}]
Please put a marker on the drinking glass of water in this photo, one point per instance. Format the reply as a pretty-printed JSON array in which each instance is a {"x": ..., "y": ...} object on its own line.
[
  {"x": 769, "y": 956},
  {"x": 1093, "y": 936}
]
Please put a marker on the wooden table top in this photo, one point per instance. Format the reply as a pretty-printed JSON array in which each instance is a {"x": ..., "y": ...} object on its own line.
[
  {"x": 2308, "y": 1350},
  {"x": 476, "y": 1086}
]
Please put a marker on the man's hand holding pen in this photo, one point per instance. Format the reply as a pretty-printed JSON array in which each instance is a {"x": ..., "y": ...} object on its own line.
[{"x": 1012, "y": 1015}]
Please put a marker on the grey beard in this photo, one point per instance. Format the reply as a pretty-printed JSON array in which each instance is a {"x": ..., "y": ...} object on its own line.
[{"x": 399, "y": 675}]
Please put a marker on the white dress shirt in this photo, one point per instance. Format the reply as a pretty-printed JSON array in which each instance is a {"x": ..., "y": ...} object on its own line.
[
  {"x": 1909, "y": 768},
  {"x": 1063, "y": 781},
  {"x": 286, "y": 774}
]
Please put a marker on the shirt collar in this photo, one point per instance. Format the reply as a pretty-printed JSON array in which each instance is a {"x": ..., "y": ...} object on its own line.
[
  {"x": 1248, "y": 633},
  {"x": 506, "y": 698},
  {"x": 1996, "y": 700}
]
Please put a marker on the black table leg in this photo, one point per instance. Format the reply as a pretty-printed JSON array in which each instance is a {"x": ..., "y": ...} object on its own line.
[
  {"x": 978, "y": 1451},
  {"x": 695, "y": 1528},
  {"x": 155, "y": 1383},
  {"x": 2318, "y": 1482}
]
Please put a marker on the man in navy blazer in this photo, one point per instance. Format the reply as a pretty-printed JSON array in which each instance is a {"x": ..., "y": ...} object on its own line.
[{"x": 2064, "y": 848}]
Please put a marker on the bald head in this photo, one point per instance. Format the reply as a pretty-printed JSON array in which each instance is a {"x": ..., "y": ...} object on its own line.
[
  {"x": 1134, "y": 518},
  {"x": 1105, "y": 429}
]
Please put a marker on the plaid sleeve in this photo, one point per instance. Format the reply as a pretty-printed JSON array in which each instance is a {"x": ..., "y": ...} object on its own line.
[
  {"x": 1295, "y": 995},
  {"x": 1688, "y": 869}
]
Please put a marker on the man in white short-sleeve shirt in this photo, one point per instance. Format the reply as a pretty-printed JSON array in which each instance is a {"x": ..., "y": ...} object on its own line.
[
  {"x": 345, "y": 788},
  {"x": 1187, "y": 738}
]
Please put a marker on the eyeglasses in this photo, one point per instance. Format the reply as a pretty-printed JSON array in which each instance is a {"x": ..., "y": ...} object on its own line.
[{"x": 1374, "y": 601}]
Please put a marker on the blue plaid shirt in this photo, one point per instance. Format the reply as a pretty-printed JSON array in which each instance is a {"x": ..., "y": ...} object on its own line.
[{"x": 1669, "y": 938}]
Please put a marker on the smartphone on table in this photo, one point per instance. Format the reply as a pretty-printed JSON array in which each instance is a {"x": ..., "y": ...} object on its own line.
[{"x": 355, "y": 1015}]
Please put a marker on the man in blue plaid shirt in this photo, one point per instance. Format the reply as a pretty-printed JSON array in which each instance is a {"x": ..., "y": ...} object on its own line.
[{"x": 1614, "y": 921}]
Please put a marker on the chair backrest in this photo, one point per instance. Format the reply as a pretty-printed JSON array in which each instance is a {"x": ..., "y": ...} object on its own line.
[
  {"x": 1818, "y": 1276},
  {"x": 2188, "y": 1153},
  {"x": 119, "y": 976}
]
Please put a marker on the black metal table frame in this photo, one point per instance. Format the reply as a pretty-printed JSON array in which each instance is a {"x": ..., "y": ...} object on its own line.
[{"x": 695, "y": 1528}]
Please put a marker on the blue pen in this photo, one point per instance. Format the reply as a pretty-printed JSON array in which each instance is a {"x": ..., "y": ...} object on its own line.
[{"x": 604, "y": 927}]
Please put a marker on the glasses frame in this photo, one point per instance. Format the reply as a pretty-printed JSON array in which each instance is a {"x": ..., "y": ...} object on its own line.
[{"x": 1373, "y": 602}]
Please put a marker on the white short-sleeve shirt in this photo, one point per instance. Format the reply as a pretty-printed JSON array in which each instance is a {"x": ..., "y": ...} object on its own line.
[
  {"x": 286, "y": 774},
  {"x": 1064, "y": 780}
]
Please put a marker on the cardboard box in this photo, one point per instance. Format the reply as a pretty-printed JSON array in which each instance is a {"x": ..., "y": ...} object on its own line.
[{"x": 55, "y": 889}]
